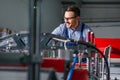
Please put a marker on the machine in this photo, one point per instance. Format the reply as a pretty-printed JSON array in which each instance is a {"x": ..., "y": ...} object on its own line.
[{"x": 57, "y": 60}]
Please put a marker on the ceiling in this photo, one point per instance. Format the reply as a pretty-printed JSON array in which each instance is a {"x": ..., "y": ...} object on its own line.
[{"x": 78, "y": 2}]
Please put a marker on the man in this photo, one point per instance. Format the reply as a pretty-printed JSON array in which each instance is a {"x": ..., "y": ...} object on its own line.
[{"x": 72, "y": 28}]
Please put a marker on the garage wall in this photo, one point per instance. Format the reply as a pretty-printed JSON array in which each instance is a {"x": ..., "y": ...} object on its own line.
[
  {"x": 14, "y": 14},
  {"x": 103, "y": 17},
  {"x": 106, "y": 29}
]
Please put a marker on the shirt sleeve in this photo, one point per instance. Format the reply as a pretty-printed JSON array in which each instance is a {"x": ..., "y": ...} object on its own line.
[{"x": 59, "y": 30}]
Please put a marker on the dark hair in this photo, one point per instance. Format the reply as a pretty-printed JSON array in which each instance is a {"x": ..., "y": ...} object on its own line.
[{"x": 75, "y": 9}]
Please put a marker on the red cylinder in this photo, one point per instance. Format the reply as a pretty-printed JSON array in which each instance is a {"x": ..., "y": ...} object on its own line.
[
  {"x": 92, "y": 37},
  {"x": 80, "y": 74},
  {"x": 89, "y": 38}
]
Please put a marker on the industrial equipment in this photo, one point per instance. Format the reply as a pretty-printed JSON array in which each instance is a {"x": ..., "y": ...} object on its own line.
[{"x": 59, "y": 61}]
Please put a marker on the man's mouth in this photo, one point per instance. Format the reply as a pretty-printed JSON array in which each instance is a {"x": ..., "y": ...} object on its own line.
[{"x": 68, "y": 23}]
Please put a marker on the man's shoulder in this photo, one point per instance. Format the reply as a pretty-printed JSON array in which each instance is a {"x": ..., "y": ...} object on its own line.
[
  {"x": 62, "y": 25},
  {"x": 86, "y": 26}
]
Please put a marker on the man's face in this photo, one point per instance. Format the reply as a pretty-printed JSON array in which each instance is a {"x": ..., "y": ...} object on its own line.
[{"x": 71, "y": 20}]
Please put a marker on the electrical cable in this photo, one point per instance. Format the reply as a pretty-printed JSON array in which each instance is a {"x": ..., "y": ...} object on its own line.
[
  {"x": 72, "y": 68},
  {"x": 93, "y": 46},
  {"x": 75, "y": 59}
]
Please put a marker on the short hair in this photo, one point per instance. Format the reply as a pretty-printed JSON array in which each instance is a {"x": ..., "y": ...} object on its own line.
[{"x": 75, "y": 9}]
